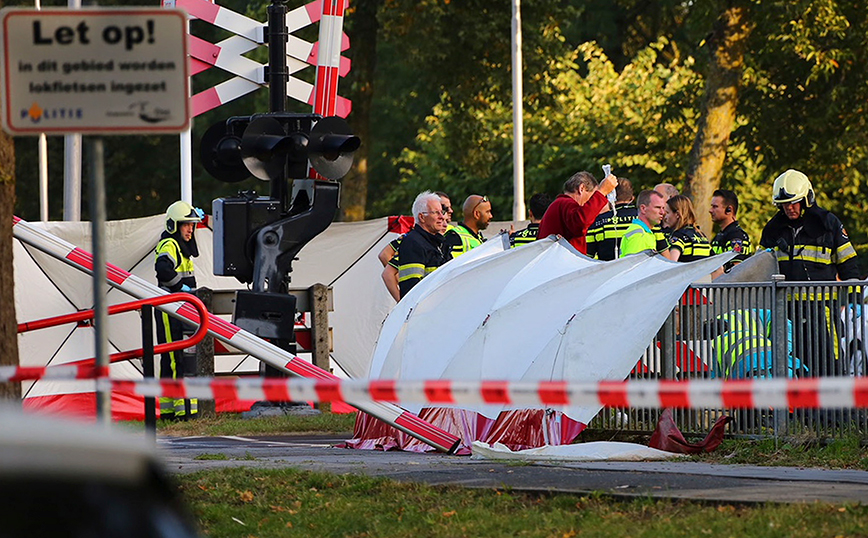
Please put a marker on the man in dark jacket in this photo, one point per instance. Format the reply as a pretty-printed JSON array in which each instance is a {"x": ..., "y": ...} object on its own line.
[
  {"x": 422, "y": 250},
  {"x": 811, "y": 245},
  {"x": 604, "y": 236}
]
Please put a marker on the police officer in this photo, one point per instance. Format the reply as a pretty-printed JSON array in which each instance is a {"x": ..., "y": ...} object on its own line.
[
  {"x": 467, "y": 234},
  {"x": 730, "y": 237},
  {"x": 604, "y": 236},
  {"x": 811, "y": 245},
  {"x": 536, "y": 208},
  {"x": 174, "y": 268}
]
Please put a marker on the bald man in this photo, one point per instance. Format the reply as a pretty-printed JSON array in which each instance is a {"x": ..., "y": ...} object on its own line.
[
  {"x": 666, "y": 190},
  {"x": 467, "y": 234}
]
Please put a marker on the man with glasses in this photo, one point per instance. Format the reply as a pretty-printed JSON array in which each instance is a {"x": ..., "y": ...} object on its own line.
[
  {"x": 572, "y": 213},
  {"x": 389, "y": 255},
  {"x": 423, "y": 249},
  {"x": 467, "y": 234}
]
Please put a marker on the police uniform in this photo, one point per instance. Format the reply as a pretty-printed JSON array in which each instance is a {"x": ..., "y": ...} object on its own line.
[
  {"x": 604, "y": 236},
  {"x": 732, "y": 238},
  {"x": 692, "y": 244},
  {"x": 419, "y": 254},
  {"x": 461, "y": 239},
  {"x": 525, "y": 236}
]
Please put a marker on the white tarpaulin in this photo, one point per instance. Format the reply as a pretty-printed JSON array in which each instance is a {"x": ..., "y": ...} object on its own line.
[
  {"x": 535, "y": 313},
  {"x": 596, "y": 451}
]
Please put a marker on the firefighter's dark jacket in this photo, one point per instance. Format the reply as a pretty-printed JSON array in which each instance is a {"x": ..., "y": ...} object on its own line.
[
  {"x": 813, "y": 247},
  {"x": 419, "y": 254}
]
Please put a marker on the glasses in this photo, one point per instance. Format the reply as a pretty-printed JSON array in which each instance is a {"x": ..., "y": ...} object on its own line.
[
  {"x": 442, "y": 212},
  {"x": 484, "y": 199}
]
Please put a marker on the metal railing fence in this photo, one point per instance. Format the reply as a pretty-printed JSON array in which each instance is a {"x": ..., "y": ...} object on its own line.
[{"x": 758, "y": 330}]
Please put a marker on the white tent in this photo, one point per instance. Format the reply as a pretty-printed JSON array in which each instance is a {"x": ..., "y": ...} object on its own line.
[
  {"x": 540, "y": 312},
  {"x": 344, "y": 257}
]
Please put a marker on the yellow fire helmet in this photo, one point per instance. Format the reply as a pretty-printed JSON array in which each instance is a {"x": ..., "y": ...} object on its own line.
[
  {"x": 180, "y": 211},
  {"x": 793, "y": 186}
]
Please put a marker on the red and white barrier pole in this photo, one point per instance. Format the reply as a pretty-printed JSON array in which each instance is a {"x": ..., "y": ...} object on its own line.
[
  {"x": 230, "y": 334},
  {"x": 329, "y": 61}
]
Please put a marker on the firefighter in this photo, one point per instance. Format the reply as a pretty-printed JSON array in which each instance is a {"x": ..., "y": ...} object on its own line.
[
  {"x": 811, "y": 242},
  {"x": 811, "y": 245},
  {"x": 174, "y": 268}
]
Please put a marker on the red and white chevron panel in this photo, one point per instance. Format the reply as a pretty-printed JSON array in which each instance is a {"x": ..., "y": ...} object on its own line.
[
  {"x": 228, "y": 333},
  {"x": 228, "y": 54},
  {"x": 812, "y": 393}
]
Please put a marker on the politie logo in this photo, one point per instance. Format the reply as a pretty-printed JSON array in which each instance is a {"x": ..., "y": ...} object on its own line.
[{"x": 36, "y": 113}]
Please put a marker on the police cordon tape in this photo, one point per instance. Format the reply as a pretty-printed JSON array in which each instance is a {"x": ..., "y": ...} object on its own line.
[{"x": 806, "y": 393}]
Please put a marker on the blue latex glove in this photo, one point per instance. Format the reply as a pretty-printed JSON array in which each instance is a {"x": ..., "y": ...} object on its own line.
[
  {"x": 185, "y": 288},
  {"x": 199, "y": 212}
]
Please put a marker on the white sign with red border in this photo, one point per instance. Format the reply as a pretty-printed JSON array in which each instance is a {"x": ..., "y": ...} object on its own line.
[{"x": 111, "y": 71}]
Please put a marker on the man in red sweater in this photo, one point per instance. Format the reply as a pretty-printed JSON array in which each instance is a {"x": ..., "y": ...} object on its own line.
[{"x": 573, "y": 212}]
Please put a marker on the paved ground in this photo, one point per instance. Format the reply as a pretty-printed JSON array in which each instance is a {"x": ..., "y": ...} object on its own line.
[{"x": 682, "y": 480}]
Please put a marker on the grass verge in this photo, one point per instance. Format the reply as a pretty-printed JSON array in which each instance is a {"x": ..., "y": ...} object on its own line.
[
  {"x": 287, "y": 503},
  {"x": 233, "y": 424}
]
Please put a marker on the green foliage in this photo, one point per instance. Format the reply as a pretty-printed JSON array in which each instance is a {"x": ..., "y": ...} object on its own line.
[
  {"x": 584, "y": 114},
  {"x": 804, "y": 99},
  {"x": 616, "y": 81}
]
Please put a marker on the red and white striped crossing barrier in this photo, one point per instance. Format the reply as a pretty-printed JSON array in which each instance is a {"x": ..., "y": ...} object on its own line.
[
  {"x": 810, "y": 393},
  {"x": 229, "y": 333},
  {"x": 249, "y": 75},
  {"x": 329, "y": 60}
]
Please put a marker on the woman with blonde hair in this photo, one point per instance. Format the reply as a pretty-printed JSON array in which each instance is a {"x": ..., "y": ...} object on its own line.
[{"x": 686, "y": 242}]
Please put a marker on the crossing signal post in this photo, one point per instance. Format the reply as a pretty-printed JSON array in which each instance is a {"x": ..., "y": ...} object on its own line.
[{"x": 256, "y": 238}]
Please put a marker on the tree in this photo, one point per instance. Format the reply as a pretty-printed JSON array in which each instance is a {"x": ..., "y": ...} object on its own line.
[
  {"x": 584, "y": 113},
  {"x": 8, "y": 321},
  {"x": 706, "y": 161},
  {"x": 362, "y": 28}
]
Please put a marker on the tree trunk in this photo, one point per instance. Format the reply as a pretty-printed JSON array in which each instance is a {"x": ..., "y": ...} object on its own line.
[
  {"x": 8, "y": 321},
  {"x": 705, "y": 165},
  {"x": 363, "y": 36}
]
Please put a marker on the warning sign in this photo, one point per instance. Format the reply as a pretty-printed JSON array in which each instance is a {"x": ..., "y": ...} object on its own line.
[{"x": 114, "y": 71}]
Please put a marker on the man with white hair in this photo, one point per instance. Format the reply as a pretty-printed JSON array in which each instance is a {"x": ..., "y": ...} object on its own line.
[{"x": 422, "y": 250}]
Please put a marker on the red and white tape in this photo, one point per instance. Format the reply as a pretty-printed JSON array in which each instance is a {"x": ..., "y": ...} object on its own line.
[{"x": 826, "y": 393}]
